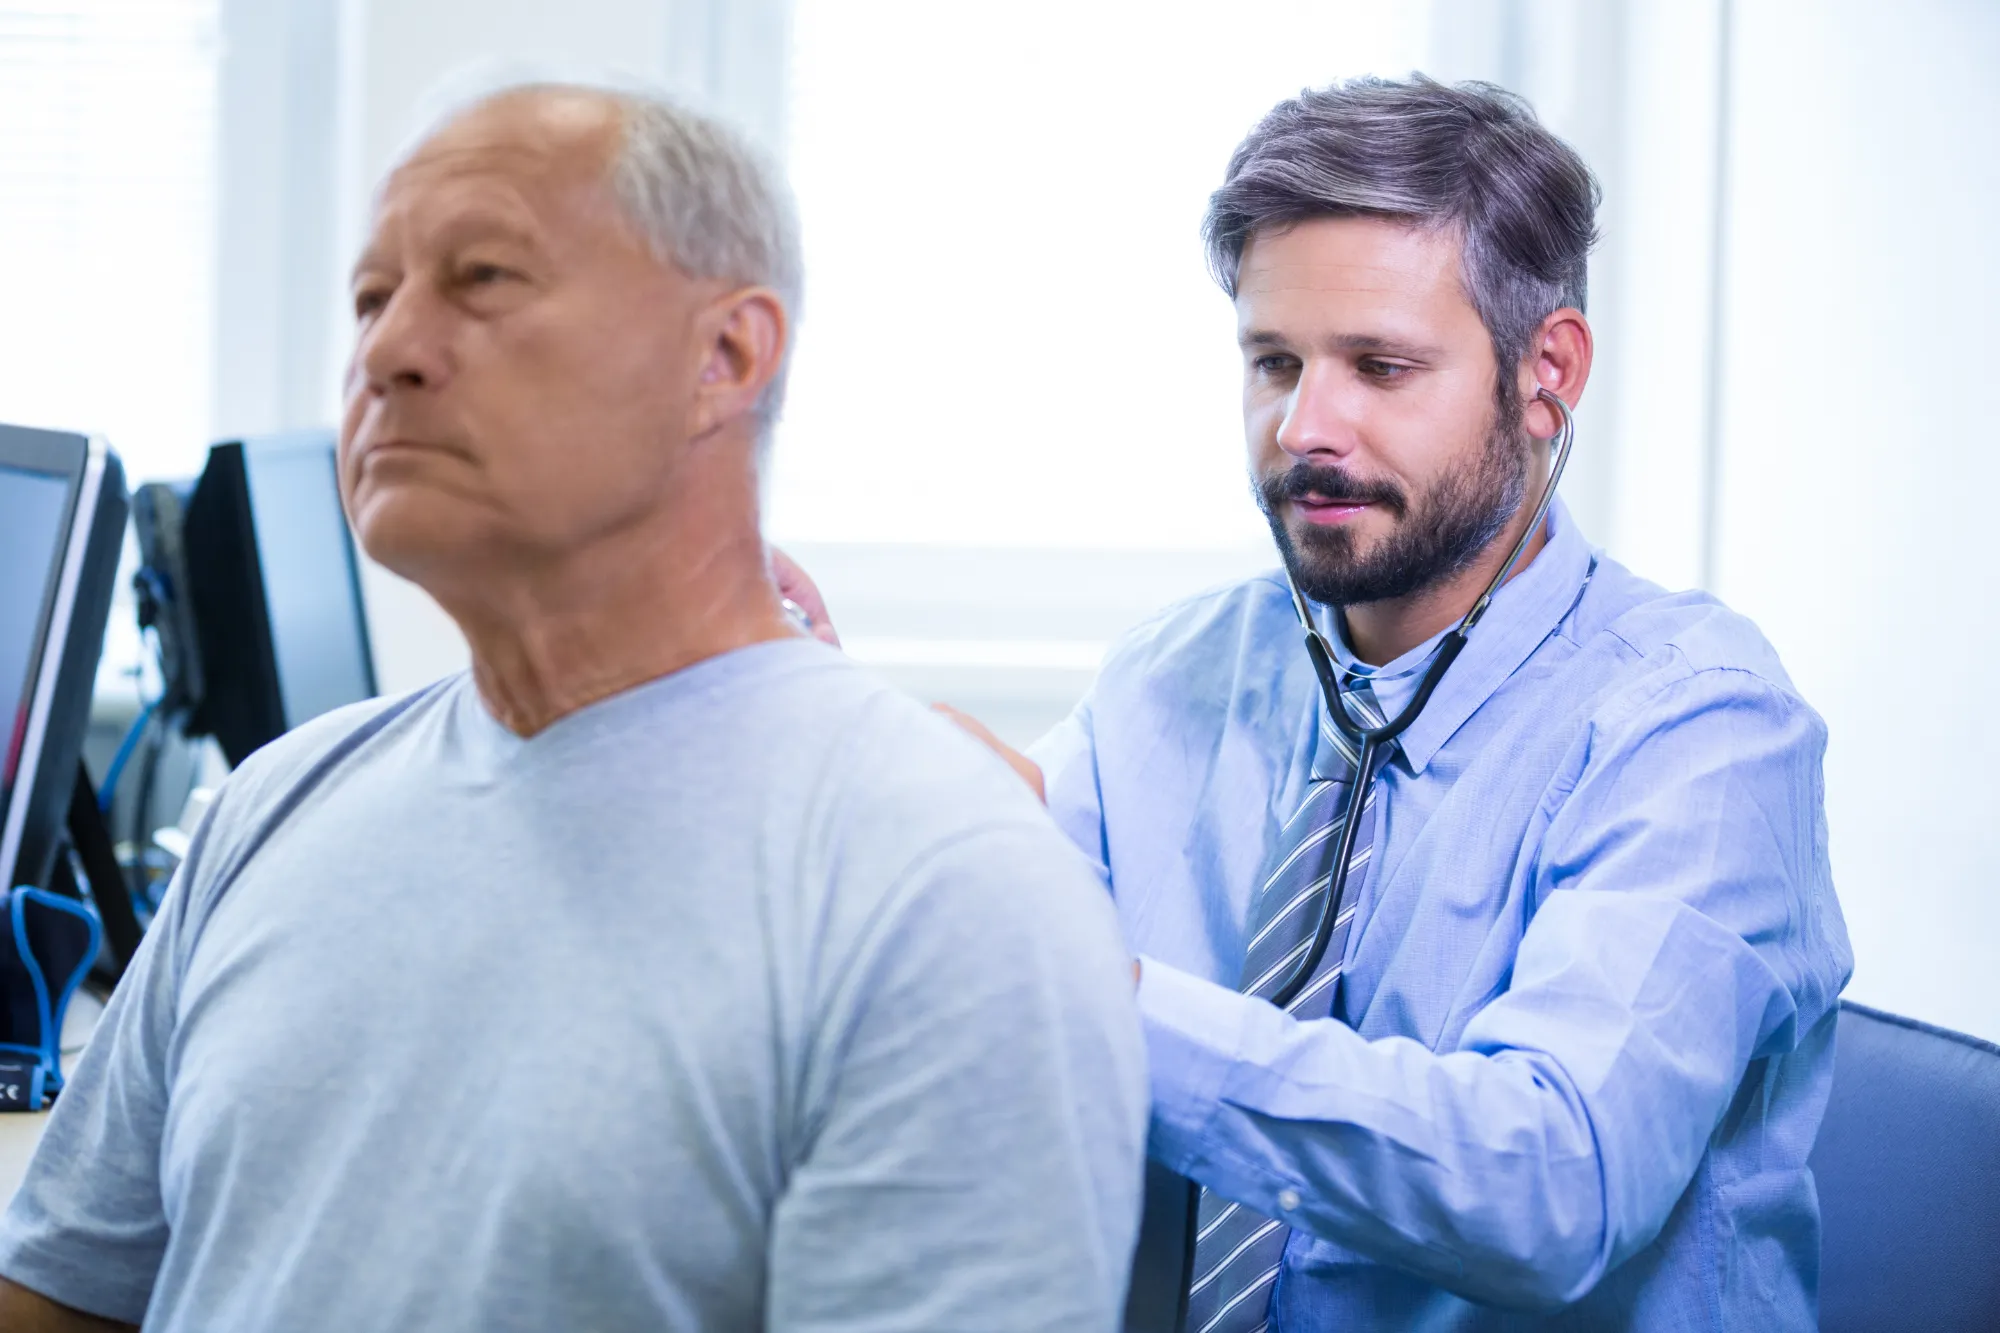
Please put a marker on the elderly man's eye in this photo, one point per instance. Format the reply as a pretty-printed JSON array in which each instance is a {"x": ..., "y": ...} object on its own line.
[
  {"x": 369, "y": 301},
  {"x": 477, "y": 275}
]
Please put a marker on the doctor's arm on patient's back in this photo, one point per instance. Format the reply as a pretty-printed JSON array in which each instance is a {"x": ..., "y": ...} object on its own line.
[
  {"x": 797, "y": 587},
  {"x": 1549, "y": 1143},
  {"x": 1522, "y": 1161}
]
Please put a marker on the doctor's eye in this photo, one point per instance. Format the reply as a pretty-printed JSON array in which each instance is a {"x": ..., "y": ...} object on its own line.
[
  {"x": 1381, "y": 371},
  {"x": 1275, "y": 363}
]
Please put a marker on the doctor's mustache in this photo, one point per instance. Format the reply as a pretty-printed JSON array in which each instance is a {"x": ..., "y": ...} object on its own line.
[{"x": 1327, "y": 483}]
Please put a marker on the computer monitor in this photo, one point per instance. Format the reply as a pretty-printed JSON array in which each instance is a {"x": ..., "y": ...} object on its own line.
[
  {"x": 62, "y": 521},
  {"x": 276, "y": 591},
  {"x": 159, "y": 524}
]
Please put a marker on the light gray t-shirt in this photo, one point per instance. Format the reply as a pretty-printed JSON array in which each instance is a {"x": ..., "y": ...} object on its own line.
[{"x": 752, "y": 997}]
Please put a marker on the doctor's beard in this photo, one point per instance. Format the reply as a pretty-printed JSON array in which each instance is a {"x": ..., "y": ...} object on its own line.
[{"x": 1434, "y": 537}]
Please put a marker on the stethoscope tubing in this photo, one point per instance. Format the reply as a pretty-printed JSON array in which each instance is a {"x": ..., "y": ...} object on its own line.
[{"x": 1369, "y": 742}]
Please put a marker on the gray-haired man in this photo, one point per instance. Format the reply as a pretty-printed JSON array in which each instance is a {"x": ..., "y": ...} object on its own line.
[{"x": 665, "y": 972}]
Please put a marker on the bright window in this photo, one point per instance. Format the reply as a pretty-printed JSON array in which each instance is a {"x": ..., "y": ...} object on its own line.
[
  {"x": 1010, "y": 337},
  {"x": 107, "y": 203}
]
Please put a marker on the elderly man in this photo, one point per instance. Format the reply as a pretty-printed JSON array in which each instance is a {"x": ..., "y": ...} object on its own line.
[{"x": 664, "y": 972}]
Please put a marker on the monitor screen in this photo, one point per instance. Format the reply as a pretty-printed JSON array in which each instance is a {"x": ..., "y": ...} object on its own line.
[
  {"x": 318, "y": 636},
  {"x": 275, "y": 592},
  {"x": 34, "y": 509},
  {"x": 62, "y": 517}
]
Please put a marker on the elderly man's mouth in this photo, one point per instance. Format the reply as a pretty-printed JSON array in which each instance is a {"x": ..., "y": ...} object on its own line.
[{"x": 388, "y": 450}]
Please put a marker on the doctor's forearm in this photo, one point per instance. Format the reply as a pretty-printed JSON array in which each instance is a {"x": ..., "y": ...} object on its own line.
[{"x": 1479, "y": 1173}]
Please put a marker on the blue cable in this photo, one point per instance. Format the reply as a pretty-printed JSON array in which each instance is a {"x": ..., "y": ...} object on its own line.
[{"x": 109, "y": 790}]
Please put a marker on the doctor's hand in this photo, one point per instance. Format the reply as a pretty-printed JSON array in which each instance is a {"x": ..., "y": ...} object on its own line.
[
  {"x": 795, "y": 583},
  {"x": 1030, "y": 771}
]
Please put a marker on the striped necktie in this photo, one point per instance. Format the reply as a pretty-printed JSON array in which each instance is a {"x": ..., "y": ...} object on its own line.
[{"x": 1238, "y": 1252}]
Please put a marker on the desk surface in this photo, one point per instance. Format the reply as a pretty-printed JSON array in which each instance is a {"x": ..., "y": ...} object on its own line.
[
  {"x": 18, "y": 1136},
  {"x": 20, "y": 1133}
]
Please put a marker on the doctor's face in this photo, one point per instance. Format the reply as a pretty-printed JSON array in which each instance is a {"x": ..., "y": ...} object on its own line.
[{"x": 1376, "y": 437}]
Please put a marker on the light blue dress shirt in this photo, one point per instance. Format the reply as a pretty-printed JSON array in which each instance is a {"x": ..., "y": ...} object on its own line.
[{"x": 1586, "y": 1031}]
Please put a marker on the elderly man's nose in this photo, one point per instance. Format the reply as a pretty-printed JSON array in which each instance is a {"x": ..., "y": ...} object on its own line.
[{"x": 403, "y": 348}]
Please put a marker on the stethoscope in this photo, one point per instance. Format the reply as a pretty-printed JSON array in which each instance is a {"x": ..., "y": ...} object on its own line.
[{"x": 1366, "y": 741}]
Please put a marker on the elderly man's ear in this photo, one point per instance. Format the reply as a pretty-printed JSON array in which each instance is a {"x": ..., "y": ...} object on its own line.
[{"x": 743, "y": 341}]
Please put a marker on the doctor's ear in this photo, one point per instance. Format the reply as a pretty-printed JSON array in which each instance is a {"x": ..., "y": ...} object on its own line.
[
  {"x": 743, "y": 335},
  {"x": 1558, "y": 360}
]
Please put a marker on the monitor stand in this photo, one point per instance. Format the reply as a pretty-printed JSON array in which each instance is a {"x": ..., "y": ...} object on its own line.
[{"x": 110, "y": 891}]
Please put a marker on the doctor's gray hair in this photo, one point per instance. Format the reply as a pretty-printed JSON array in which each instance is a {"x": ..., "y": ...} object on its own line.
[
  {"x": 1469, "y": 158},
  {"x": 700, "y": 195}
]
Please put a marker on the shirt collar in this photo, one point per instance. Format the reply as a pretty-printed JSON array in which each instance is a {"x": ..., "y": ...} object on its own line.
[{"x": 1525, "y": 611}]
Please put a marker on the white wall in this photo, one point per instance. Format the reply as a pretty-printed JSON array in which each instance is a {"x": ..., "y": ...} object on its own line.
[
  {"x": 1656, "y": 384},
  {"x": 1793, "y": 302},
  {"x": 1859, "y": 459},
  {"x": 277, "y": 275}
]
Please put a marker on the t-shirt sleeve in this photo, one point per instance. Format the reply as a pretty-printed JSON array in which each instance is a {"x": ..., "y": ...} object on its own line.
[
  {"x": 972, "y": 1154},
  {"x": 88, "y": 1228}
]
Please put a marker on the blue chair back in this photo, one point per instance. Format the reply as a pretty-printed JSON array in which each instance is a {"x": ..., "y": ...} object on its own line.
[{"x": 1908, "y": 1167}]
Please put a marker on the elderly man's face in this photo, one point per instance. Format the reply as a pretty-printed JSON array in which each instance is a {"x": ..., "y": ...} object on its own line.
[{"x": 525, "y": 367}]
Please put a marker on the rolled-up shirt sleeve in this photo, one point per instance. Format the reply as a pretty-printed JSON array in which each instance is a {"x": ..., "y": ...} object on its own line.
[{"x": 1679, "y": 885}]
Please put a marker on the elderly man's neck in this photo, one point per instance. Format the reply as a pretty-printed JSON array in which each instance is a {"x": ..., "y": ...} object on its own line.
[{"x": 550, "y": 639}]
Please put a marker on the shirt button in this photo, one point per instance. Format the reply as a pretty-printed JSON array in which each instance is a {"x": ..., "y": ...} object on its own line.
[{"x": 1288, "y": 1200}]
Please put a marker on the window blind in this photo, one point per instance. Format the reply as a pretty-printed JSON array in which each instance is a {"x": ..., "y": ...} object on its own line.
[{"x": 107, "y": 202}]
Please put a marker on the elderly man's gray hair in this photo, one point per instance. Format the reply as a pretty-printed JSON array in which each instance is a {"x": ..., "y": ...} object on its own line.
[
  {"x": 700, "y": 195},
  {"x": 1470, "y": 158}
]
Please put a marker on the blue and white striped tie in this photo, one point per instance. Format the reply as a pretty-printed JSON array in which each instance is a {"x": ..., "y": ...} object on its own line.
[{"x": 1238, "y": 1252}]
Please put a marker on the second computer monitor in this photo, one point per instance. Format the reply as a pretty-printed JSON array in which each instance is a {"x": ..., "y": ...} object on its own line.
[{"x": 275, "y": 587}]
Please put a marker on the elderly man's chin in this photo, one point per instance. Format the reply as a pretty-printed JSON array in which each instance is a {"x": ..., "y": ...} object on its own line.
[{"x": 418, "y": 532}]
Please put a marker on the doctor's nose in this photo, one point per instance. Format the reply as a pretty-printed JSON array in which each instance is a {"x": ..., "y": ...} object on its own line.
[{"x": 1319, "y": 420}]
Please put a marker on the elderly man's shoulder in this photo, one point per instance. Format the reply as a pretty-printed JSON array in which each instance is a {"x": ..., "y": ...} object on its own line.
[
  {"x": 897, "y": 825},
  {"x": 294, "y": 759},
  {"x": 902, "y": 762}
]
